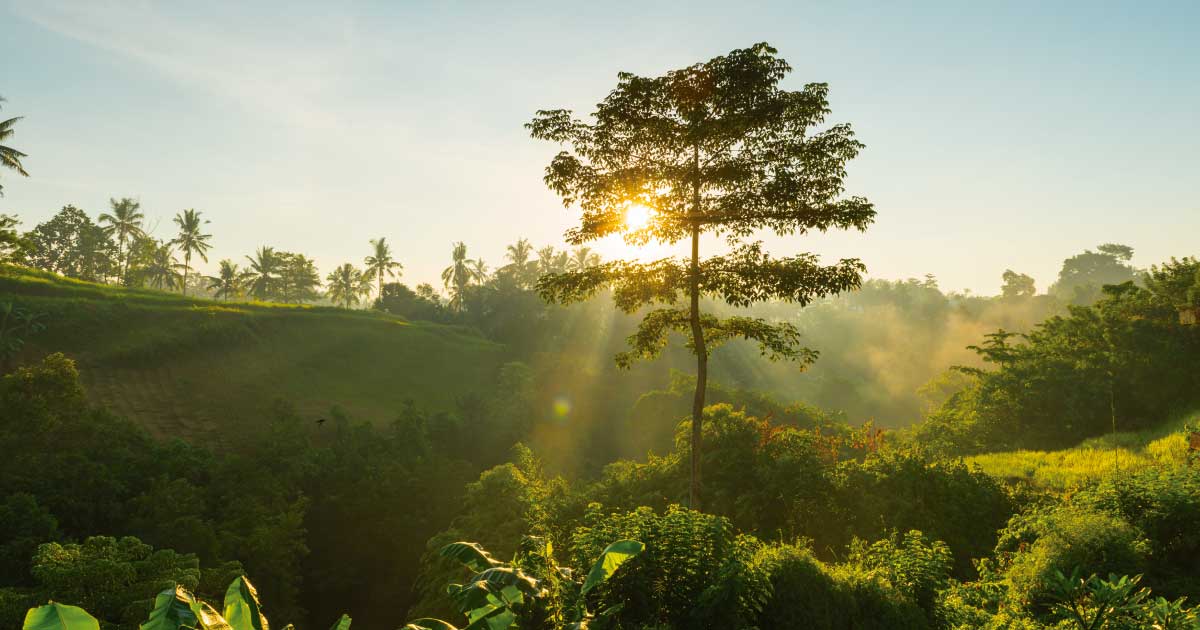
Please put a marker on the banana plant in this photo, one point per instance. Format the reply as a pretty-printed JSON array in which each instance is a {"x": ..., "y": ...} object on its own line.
[
  {"x": 174, "y": 609},
  {"x": 498, "y": 593},
  {"x": 55, "y": 616}
]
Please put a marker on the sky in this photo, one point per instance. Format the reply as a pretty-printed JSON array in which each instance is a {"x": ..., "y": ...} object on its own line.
[{"x": 998, "y": 135}]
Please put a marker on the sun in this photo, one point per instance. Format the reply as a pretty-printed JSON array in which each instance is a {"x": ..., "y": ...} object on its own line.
[{"x": 637, "y": 216}]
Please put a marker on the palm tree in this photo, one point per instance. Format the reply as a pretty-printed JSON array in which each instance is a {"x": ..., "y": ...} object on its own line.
[
  {"x": 160, "y": 269},
  {"x": 520, "y": 262},
  {"x": 380, "y": 263},
  {"x": 228, "y": 283},
  {"x": 479, "y": 270},
  {"x": 125, "y": 222},
  {"x": 263, "y": 272},
  {"x": 457, "y": 277},
  {"x": 582, "y": 259},
  {"x": 9, "y": 156},
  {"x": 190, "y": 240},
  {"x": 345, "y": 284},
  {"x": 550, "y": 261}
]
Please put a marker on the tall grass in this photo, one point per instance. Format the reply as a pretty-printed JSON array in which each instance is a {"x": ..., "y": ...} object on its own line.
[{"x": 1097, "y": 457}]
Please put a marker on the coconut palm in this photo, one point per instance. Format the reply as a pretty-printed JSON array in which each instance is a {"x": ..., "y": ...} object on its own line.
[
  {"x": 191, "y": 240},
  {"x": 9, "y": 156},
  {"x": 521, "y": 265},
  {"x": 124, "y": 223},
  {"x": 161, "y": 270},
  {"x": 263, "y": 272},
  {"x": 479, "y": 271},
  {"x": 380, "y": 263},
  {"x": 551, "y": 261},
  {"x": 458, "y": 276},
  {"x": 228, "y": 282},
  {"x": 346, "y": 284},
  {"x": 582, "y": 259}
]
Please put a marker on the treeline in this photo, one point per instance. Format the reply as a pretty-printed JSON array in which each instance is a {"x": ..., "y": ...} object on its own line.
[
  {"x": 116, "y": 248},
  {"x": 1124, "y": 363}
]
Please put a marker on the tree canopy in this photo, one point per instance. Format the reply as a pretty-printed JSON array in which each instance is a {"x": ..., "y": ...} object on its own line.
[{"x": 715, "y": 148}]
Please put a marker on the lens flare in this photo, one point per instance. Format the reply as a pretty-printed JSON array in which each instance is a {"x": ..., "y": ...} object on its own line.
[{"x": 562, "y": 407}]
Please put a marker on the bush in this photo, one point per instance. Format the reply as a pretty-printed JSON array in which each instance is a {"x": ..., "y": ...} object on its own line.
[
  {"x": 1164, "y": 504},
  {"x": 694, "y": 573},
  {"x": 1066, "y": 540},
  {"x": 809, "y": 594}
]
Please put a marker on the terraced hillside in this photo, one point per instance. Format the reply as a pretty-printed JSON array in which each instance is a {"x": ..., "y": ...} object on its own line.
[{"x": 201, "y": 369}]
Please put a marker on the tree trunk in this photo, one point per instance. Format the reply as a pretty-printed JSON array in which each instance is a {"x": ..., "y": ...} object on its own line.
[
  {"x": 187, "y": 262},
  {"x": 697, "y": 341}
]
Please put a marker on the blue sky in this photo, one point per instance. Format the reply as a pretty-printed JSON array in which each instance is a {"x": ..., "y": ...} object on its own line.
[{"x": 999, "y": 135}]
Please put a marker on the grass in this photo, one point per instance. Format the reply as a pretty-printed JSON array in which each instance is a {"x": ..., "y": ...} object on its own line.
[
  {"x": 198, "y": 369},
  {"x": 1071, "y": 468}
]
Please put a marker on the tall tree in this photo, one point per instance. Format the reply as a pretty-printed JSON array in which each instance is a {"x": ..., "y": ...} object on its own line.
[
  {"x": 715, "y": 148},
  {"x": 298, "y": 279},
  {"x": 125, "y": 223},
  {"x": 263, "y": 273},
  {"x": 191, "y": 240},
  {"x": 161, "y": 270},
  {"x": 582, "y": 259},
  {"x": 1083, "y": 276},
  {"x": 228, "y": 282},
  {"x": 380, "y": 263},
  {"x": 551, "y": 261},
  {"x": 458, "y": 276},
  {"x": 346, "y": 284},
  {"x": 1017, "y": 285},
  {"x": 480, "y": 271},
  {"x": 10, "y": 157},
  {"x": 521, "y": 265},
  {"x": 71, "y": 244}
]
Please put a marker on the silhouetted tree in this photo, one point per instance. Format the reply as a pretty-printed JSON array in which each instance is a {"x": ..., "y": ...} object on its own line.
[
  {"x": 458, "y": 276},
  {"x": 521, "y": 267},
  {"x": 125, "y": 223},
  {"x": 380, "y": 263},
  {"x": 191, "y": 240},
  {"x": 69, "y": 243},
  {"x": 10, "y": 157},
  {"x": 1017, "y": 285},
  {"x": 228, "y": 281},
  {"x": 263, "y": 272},
  {"x": 582, "y": 259},
  {"x": 346, "y": 284},
  {"x": 160, "y": 271},
  {"x": 716, "y": 148}
]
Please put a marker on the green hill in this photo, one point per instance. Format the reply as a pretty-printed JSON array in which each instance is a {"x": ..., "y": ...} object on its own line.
[
  {"x": 1094, "y": 458},
  {"x": 198, "y": 369}
]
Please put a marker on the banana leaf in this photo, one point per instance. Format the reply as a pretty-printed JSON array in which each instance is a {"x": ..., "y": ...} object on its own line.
[
  {"x": 242, "y": 608},
  {"x": 55, "y": 616}
]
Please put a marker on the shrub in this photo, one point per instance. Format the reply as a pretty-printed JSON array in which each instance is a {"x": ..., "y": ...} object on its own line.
[
  {"x": 808, "y": 594},
  {"x": 1065, "y": 540}
]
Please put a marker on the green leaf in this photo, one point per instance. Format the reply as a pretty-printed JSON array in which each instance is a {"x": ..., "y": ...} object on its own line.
[
  {"x": 55, "y": 616},
  {"x": 613, "y": 557},
  {"x": 471, "y": 555},
  {"x": 207, "y": 617},
  {"x": 498, "y": 619},
  {"x": 242, "y": 608},
  {"x": 343, "y": 623},
  {"x": 429, "y": 624},
  {"x": 172, "y": 609}
]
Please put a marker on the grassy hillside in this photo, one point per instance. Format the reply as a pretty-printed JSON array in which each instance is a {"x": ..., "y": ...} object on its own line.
[
  {"x": 198, "y": 368},
  {"x": 1073, "y": 467}
]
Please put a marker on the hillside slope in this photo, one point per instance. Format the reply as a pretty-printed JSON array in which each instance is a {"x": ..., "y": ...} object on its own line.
[
  {"x": 198, "y": 369},
  {"x": 1166, "y": 445}
]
